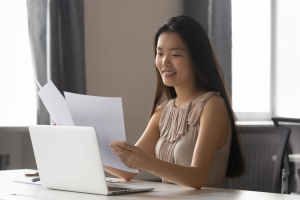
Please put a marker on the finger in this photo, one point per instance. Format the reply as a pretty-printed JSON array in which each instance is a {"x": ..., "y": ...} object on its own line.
[
  {"x": 122, "y": 150},
  {"x": 125, "y": 145},
  {"x": 120, "y": 155}
]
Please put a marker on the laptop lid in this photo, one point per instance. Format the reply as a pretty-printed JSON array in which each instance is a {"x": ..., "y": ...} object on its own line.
[{"x": 68, "y": 158}]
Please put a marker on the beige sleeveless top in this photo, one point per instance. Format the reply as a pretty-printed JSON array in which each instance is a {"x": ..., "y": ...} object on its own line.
[{"x": 179, "y": 129}]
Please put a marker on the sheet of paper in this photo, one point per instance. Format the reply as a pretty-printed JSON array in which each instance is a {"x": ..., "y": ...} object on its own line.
[
  {"x": 55, "y": 104},
  {"x": 105, "y": 114},
  {"x": 25, "y": 179}
]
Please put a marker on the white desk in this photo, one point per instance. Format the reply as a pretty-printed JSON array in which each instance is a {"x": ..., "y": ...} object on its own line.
[{"x": 162, "y": 191}]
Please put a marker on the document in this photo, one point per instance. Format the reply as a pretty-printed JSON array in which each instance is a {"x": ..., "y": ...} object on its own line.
[
  {"x": 55, "y": 104},
  {"x": 28, "y": 180},
  {"x": 105, "y": 114}
]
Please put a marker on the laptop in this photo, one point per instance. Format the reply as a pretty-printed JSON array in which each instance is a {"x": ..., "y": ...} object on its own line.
[{"x": 69, "y": 158}]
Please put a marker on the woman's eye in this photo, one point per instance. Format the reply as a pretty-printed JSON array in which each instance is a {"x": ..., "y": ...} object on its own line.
[
  {"x": 160, "y": 54},
  {"x": 176, "y": 55}
]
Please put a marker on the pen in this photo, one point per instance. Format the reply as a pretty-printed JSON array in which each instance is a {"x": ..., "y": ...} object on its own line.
[
  {"x": 36, "y": 174},
  {"x": 36, "y": 179}
]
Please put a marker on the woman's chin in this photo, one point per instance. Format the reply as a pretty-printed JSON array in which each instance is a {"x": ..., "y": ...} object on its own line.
[{"x": 166, "y": 83}]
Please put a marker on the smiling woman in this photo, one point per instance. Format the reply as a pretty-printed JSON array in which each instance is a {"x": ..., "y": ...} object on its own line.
[
  {"x": 191, "y": 138},
  {"x": 173, "y": 60}
]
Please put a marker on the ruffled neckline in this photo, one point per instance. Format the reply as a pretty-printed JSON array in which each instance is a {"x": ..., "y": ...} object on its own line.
[
  {"x": 173, "y": 103},
  {"x": 174, "y": 121}
]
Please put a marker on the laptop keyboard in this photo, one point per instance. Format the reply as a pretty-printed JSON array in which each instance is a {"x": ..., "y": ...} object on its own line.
[{"x": 117, "y": 188}]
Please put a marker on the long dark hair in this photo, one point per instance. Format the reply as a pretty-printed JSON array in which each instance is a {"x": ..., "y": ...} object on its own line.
[{"x": 209, "y": 76}]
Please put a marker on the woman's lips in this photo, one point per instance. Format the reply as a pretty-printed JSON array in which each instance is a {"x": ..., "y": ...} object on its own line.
[{"x": 168, "y": 74}]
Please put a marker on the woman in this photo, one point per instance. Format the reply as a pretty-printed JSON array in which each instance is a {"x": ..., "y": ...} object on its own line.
[{"x": 191, "y": 138}]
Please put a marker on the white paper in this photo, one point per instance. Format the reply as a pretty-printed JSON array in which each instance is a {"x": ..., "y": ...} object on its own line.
[
  {"x": 56, "y": 105},
  {"x": 28, "y": 180},
  {"x": 105, "y": 114}
]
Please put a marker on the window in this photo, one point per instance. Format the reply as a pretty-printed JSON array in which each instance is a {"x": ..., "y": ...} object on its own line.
[
  {"x": 17, "y": 86},
  {"x": 251, "y": 51},
  {"x": 265, "y": 64},
  {"x": 287, "y": 94}
]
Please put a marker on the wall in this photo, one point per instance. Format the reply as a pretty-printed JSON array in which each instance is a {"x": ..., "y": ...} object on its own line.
[
  {"x": 15, "y": 142},
  {"x": 119, "y": 55}
]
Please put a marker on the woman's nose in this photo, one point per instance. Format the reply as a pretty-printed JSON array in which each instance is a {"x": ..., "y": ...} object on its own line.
[{"x": 166, "y": 61}]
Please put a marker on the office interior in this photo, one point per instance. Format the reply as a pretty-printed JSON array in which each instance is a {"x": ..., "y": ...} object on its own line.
[{"x": 119, "y": 62}]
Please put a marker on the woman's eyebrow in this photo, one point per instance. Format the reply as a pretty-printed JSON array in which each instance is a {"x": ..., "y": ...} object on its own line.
[
  {"x": 176, "y": 48},
  {"x": 171, "y": 49}
]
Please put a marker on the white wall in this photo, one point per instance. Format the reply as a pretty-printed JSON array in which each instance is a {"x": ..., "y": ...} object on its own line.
[{"x": 119, "y": 38}]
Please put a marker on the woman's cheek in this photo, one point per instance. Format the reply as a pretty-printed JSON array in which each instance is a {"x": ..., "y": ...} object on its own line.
[{"x": 158, "y": 63}]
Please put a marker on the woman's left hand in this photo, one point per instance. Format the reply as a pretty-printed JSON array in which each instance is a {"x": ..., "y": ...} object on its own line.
[{"x": 132, "y": 156}]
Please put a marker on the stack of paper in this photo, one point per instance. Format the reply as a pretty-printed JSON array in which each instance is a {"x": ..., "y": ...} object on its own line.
[{"x": 105, "y": 114}]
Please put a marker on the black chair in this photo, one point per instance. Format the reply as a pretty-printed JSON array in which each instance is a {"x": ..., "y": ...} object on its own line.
[
  {"x": 286, "y": 171},
  {"x": 263, "y": 149},
  {"x": 284, "y": 119}
]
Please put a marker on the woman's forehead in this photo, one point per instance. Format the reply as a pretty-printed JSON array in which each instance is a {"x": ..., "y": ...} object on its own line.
[{"x": 169, "y": 39}]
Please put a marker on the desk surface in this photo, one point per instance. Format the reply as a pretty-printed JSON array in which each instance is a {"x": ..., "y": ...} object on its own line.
[{"x": 162, "y": 191}]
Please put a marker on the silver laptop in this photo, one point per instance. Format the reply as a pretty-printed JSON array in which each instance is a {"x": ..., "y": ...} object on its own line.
[{"x": 68, "y": 158}]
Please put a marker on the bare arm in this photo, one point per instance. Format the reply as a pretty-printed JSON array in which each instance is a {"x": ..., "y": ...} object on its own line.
[
  {"x": 212, "y": 135},
  {"x": 146, "y": 143}
]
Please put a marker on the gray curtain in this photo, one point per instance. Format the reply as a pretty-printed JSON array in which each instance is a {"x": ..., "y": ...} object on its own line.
[
  {"x": 215, "y": 17},
  {"x": 56, "y": 31}
]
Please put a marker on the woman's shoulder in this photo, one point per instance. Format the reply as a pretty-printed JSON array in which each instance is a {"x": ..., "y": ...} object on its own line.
[
  {"x": 160, "y": 111},
  {"x": 161, "y": 106},
  {"x": 216, "y": 110},
  {"x": 156, "y": 117},
  {"x": 216, "y": 100},
  {"x": 216, "y": 104},
  {"x": 208, "y": 101}
]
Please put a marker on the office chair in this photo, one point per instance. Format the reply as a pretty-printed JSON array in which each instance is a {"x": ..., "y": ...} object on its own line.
[
  {"x": 263, "y": 149},
  {"x": 286, "y": 171}
]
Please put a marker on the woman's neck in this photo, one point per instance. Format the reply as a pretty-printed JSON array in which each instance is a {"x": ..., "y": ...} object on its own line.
[{"x": 187, "y": 94}]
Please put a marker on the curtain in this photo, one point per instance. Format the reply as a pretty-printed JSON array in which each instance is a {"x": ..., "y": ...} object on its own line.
[
  {"x": 215, "y": 17},
  {"x": 56, "y": 31}
]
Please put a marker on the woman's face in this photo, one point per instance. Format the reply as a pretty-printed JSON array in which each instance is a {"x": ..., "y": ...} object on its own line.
[{"x": 173, "y": 60}]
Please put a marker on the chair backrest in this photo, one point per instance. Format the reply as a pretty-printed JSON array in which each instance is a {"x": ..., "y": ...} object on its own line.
[
  {"x": 284, "y": 119},
  {"x": 287, "y": 169},
  {"x": 263, "y": 149}
]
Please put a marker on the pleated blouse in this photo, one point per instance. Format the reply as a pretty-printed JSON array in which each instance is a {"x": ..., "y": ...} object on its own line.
[{"x": 179, "y": 129}]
